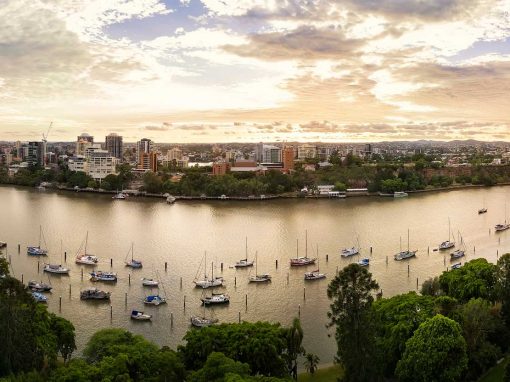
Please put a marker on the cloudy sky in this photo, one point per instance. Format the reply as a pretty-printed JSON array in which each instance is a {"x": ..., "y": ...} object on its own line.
[{"x": 252, "y": 70}]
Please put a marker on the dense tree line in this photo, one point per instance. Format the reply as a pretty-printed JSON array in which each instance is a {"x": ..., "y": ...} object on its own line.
[{"x": 454, "y": 331}]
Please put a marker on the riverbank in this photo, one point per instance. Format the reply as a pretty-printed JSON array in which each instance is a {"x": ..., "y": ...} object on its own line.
[{"x": 251, "y": 198}]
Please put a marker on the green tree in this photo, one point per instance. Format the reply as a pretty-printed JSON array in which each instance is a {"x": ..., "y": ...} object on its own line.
[
  {"x": 217, "y": 367},
  {"x": 261, "y": 345},
  {"x": 152, "y": 183},
  {"x": 295, "y": 348},
  {"x": 503, "y": 286},
  {"x": 64, "y": 333},
  {"x": 351, "y": 291},
  {"x": 396, "y": 320},
  {"x": 435, "y": 353},
  {"x": 476, "y": 278},
  {"x": 431, "y": 287},
  {"x": 4, "y": 267},
  {"x": 311, "y": 362}
]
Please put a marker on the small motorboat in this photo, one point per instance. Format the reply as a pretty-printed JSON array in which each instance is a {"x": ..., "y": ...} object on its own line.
[
  {"x": 456, "y": 266},
  {"x": 244, "y": 263},
  {"x": 150, "y": 282},
  {"x": 140, "y": 316},
  {"x": 39, "y": 286},
  {"x": 314, "y": 275},
  {"x": 347, "y": 252},
  {"x": 446, "y": 245},
  {"x": 201, "y": 322},
  {"x": 94, "y": 294},
  {"x": 119, "y": 196},
  {"x": 364, "y": 262},
  {"x": 482, "y": 210},
  {"x": 501, "y": 227},
  {"x": 39, "y": 297},
  {"x": 216, "y": 299},
  {"x": 302, "y": 261},
  {"x": 458, "y": 253},
  {"x": 36, "y": 251},
  {"x": 103, "y": 276},
  {"x": 57, "y": 269},
  {"x": 403, "y": 255},
  {"x": 154, "y": 300},
  {"x": 3, "y": 244},
  {"x": 170, "y": 199},
  {"x": 87, "y": 259},
  {"x": 263, "y": 278},
  {"x": 400, "y": 194}
]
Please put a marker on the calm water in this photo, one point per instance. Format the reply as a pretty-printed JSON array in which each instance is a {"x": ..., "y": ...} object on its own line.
[{"x": 180, "y": 233}]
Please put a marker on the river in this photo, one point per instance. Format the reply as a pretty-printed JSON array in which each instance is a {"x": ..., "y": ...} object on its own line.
[{"x": 179, "y": 234}]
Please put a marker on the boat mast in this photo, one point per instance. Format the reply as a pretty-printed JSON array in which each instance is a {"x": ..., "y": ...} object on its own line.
[
  {"x": 205, "y": 265},
  {"x": 246, "y": 249},
  {"x": 40, "y": 234},
  {"x": 408, "y": 240},
  {"x": 400, "y": 243},
  {"x": 306, "y": 243},
  {"x": 297, "y": 248},
  {"x": 449, "y": 229},
  {"x": 132, "y": 251},
  {"x": 86, "y": 240},
  {"x": 317, "y": 257}
]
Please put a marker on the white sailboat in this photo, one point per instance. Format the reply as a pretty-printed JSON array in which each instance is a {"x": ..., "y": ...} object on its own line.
[
  {"x": 156, "y": 299},
  {"x": 208, "y": 282},
  {"x": 302, "y": 261},
  {"x": 262, "y": 278},
  {"x": 315, "y": 275},
  {"x": 132, "y": 263},
  {"x": 502, "y": 227},
  {"x": 447, "y": 244},
  {"x": 460, "y": 252},
  {"x": 56, "y": 268},
  {"x": 406, "y": 254},
  {"x": 38, "y": 250},
  {"x": 85, "y": 257},
  {"x": 244, "y": 263},
  {"x": 354, "y": 250}
]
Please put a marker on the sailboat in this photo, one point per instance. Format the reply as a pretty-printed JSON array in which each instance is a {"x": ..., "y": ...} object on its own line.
[
  {"x": 315, "y": 275},
  {"x": 301, "y": 261},
  {"x": 502, "y": 227},
  {"x": 156, "y": 299},
  {"x": 132, "y": 263},
  {"x": 206, "y": 282},
  {"x": 150, "y": 282},
  {"x": 203, "y": 321},
  {"x": 84, "y": 257},
  {"x": 447, "y": 244},
  {"x": 460, "y": 252},
  {"x": 244, "y": 263},
  {"x": 347, "y": 252},
  {"x": 262, "y": 278},
  {"x": 103, "y": 276},
  {"x": 483, "y": 209},
  {"x": 140, "y": 316},
  {"x": 38, "y": 250},
  {"x": 56, "y": 268},
  {"x": 216, "y": 299},
  {"x": 39, "y": 286},
  {"x": 406, "y": 254}
]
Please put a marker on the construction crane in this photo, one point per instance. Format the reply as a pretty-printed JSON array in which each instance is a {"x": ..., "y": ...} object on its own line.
[{"x": 45, "y": 136}]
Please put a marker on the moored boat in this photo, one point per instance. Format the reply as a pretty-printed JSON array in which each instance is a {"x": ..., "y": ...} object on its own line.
[
  {"x": 406, "y": 254},
  {"x": 133, "y": 263},
  {"x": 244, "y": 263},
  {"x": 482, "y": 210},
  {"x": 170, "y": 199},
  {"x": 456, "y": 266},
  {"x": 201, "y": 322},
  {"x": 314, "y": 275},
  {"x": 301, "y": 261},
  {"x": 39, "y": 297},
  {"x": 119, "y": 196},
  {"x": 216, "y": 299},
  {"x": 501, "y": 227},
  {"x": 150, "y": 282},
  {"x": 57, "y": 269},
  {"x": 140, "y": 316},
  {"x": 458, "y": 253},
  {"x": 154, "y": 300},
  {"x": 38, "y": 250},
  {"x": 94, "y": 294},
  {"x": 207, "y": 282},
  {"x": 364, "y": 262},
  {"x": 3, "y": 244},
  {"x": 85, "y": 257},
  {"x": 262, "y": 278},
  {"x": 447, "y": 244},
  {"x": 39, "y": 286},
  {"x": 347, "y": 252},
  {"x": 103, "y": 276},
  {"x": 400, "y": 194}
]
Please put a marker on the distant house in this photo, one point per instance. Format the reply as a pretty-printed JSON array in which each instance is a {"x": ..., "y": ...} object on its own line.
[{"x": 325, "y": 189}]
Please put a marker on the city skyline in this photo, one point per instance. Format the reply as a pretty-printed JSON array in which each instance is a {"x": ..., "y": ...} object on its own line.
[{"x": 203, "y": 71}]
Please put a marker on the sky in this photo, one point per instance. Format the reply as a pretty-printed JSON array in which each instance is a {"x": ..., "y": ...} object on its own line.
[{"x": 255, "y": 70}]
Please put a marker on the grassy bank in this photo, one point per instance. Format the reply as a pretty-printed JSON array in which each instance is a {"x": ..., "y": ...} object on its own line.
[
  {"x": 326, "y": 374},
  {"x": 497, "y": 373}
]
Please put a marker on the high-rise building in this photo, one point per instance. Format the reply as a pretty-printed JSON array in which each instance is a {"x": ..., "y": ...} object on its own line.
[
  {"x": 271, "y": 154},
  {"x": 113, "y": 144},
  {"x": 148, "y": 161},
  {"x": 144, "y": 146},
  {"x": 307, "y": 151},
  {"x": 174, "y": 154},
  {"x": 83, "y": 142},
  {"x": 259, "y": 147},
  {"x": 100, "y": 164},
  {"x": 288, "y": 158},
  {"x": 35, "y": 155}
]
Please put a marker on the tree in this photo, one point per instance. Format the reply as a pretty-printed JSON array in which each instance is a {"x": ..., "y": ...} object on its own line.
[
  {"x": 217, "y": 367},
  {"x": 435, "y": 353},
  {"x": 4, "y": 267},
  {"x": 294, "y": 337},
  {"x": 351, "y": 292},
  {"x": 476, "y": 278},
  {"x": 152, "y": 183},
  {"x": 64, "y": 333},
  {"x": 261, "y": 345},
  {"x": 396, "y": 319},
  {"x": 431, "y": 287},
  {"x": 503, "y": 286},
  {"x": 311, "y": 362}
]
